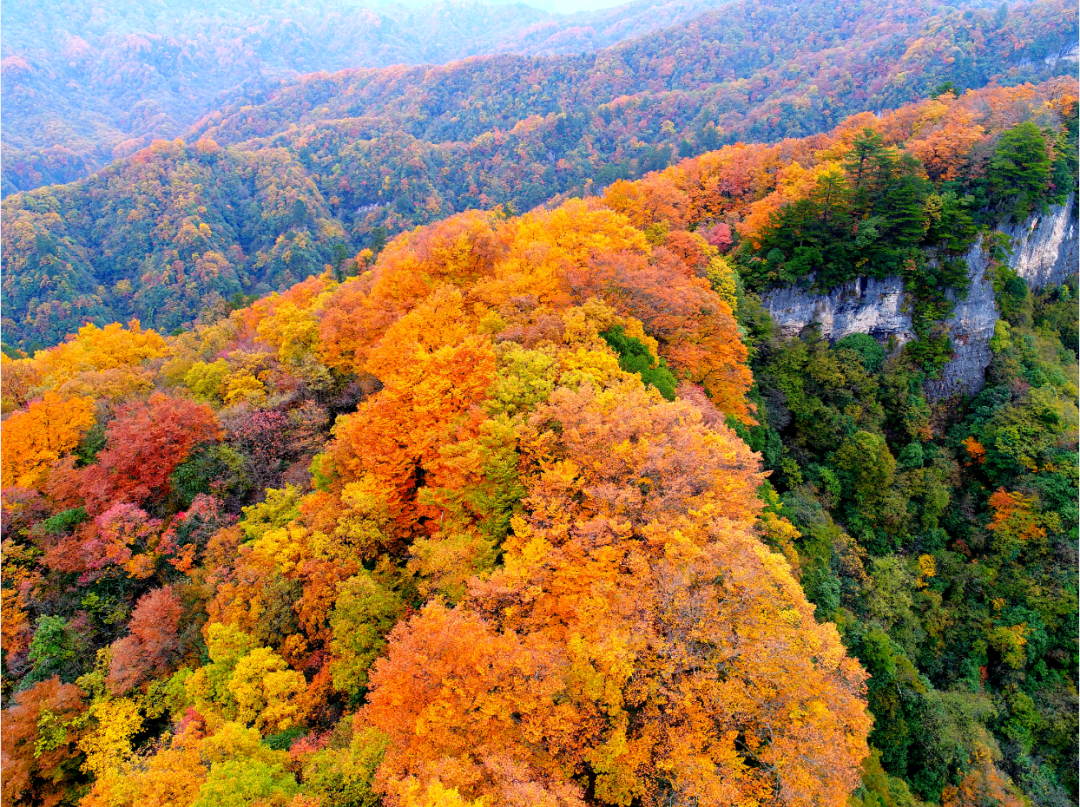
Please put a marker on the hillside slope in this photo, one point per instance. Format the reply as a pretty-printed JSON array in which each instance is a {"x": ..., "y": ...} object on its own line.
[
  {"x": 756, "y": 69},
  {"x": 179, "y": 227},
  {"x": 468, "y": 526},
  {"x": 84, "y": 83}
]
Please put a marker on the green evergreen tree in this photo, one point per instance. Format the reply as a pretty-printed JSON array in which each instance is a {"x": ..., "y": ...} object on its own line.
[
  {"x": 1019, "y": 172},
  {"x": 905, "y": 199},
  {"x": 868, "y": 153}
]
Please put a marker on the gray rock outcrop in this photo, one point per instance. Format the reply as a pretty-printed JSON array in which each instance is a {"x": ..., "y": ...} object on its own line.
[
  {"x": 864, "y": 305},
  {"x": 1046, "y": 250},
  {"x": 970, "y": 328}
]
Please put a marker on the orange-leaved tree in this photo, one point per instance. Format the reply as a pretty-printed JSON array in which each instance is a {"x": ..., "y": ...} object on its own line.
[
  {"x": 40, "y": 729},
  {"x": 639, "y": 639},
  {"x": 151, "y": 643},
  {"x": 34, "y": 438}
]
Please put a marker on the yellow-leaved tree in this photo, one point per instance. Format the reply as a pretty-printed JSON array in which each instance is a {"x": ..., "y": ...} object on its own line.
[{"x": 34, "y": 438}]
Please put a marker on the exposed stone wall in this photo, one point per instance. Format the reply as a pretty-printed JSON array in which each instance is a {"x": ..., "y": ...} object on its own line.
[
  {"x": 970, "y": 329},
  {"x": 1046, "y": 250},
  {"x": 864, "y": 305}
]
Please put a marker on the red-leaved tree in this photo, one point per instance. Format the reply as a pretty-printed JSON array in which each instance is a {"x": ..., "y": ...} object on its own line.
[
  {"x": 40, "y": 760},
  {"x": 146, "y": 442},
  {"x": 150, "y": 646}
]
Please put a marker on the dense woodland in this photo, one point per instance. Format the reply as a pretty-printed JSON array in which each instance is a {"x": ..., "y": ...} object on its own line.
[
  {"x": 743, "y": 67},
  {"x": 340, "y": 162},
  {"x": 542, "y": 508},
  {"x": 85, "y": 83}
]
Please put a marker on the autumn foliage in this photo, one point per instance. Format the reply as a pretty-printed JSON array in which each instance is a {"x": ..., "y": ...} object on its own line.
[
  {"x": 43, "y": 433},
  {"x": 40, "y": 760},
  {"x": 606, "y": 645},
  {"x": 482, "y": 524},
  {"x": 331, "y": 163},
  {"x": 148, "y": 650},
  {"x": 574, "y": 550},
  {"x": 145, "y": 444}
]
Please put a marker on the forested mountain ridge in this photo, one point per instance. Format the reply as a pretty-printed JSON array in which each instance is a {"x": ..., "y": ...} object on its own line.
[
  {"x": 542, "y": 508},
  {"x": 84, "y": 84},
  {"x": 397, "y": 148},
  {"x": 881, "y": 55},
  {"x": 178, "y": 226},
  {"x": 524, "y": 454}
]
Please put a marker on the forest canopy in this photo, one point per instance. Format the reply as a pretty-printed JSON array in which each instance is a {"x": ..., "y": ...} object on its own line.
[
  {"x": 181, "y": 228},
  {"x": 347, "y": 463},
  {"x": 304, "y": 517},
  {"x": 542, "y": 509}
]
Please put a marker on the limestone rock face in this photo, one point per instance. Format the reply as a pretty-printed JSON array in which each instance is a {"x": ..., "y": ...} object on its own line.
[
  {"x": 1046, "y": 250},
  {"x": 1045, "y": 247},
  {"x": 864, "y": 305},
  {"x": 970, "y": 329}
]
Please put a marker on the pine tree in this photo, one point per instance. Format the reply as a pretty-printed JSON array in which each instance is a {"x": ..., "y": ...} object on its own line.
[{"x": 1019, "y": 171}]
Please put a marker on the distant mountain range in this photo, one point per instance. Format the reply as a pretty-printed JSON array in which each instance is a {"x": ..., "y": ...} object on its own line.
[
  {"x": 282, "y": 181},
  {"x": 85, "y": 83}
]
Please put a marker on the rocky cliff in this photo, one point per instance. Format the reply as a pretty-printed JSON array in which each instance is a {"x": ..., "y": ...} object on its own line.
[{"x": 1046, "y": 250}]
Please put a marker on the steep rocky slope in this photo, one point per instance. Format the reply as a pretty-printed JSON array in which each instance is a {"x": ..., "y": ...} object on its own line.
[{"x": 1045, "y": 251}]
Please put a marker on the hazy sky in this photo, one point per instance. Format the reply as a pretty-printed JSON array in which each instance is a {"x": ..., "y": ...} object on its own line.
[
  {"x": 567, "y": 6},
  {"x": 560, "y": 6}
]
